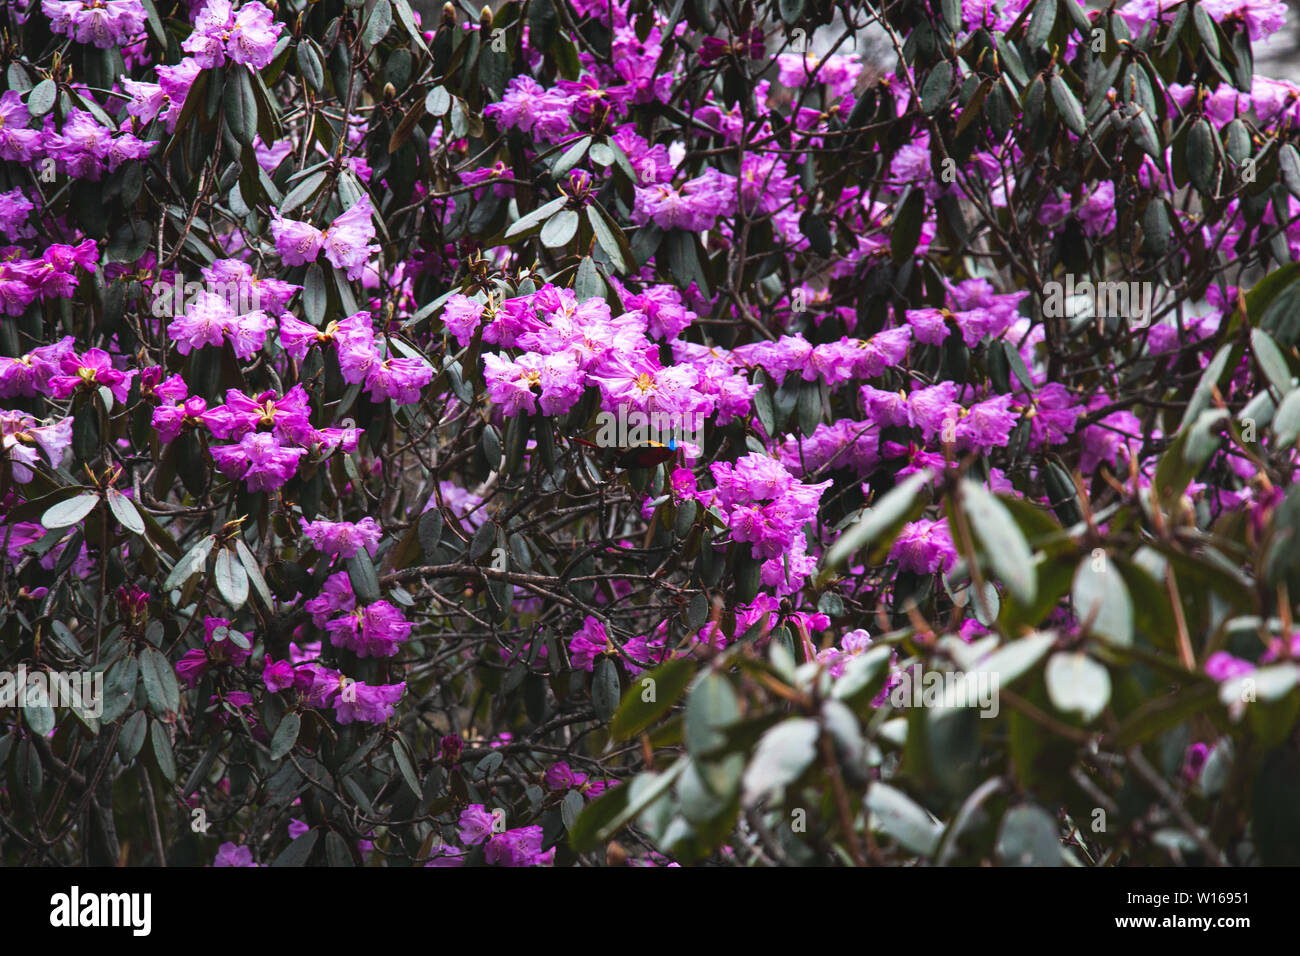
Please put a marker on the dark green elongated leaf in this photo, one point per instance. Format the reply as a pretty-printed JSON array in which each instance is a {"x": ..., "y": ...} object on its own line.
[
  {"x": 560, "y": 229},
  {"x": 298, "y": 852},
  {"x": 378, "y": 24},
  {"x": 887, "y": 514},
  {"x": 309, "y": 64},
  {"x": 254, "y": 572},
  {"x": 405, "y": 768},
  {"x": 606, "y": 815},
  {"x": 159, "y": 682},
  {"x": 232, "y": 582},
  {"x": 571, "y": 157},
  {"x": 1029, "y": 835},
  {"x": 162, "y": 750},
  {"x": 936, "y": 91},
  {"x": 41, "y": 99},
  {"x": 783, "y": 754},
  {"x": 899, "y": 816},
  {"x": 1271, "y": 360},
  {"x": 710, "y": 707},
  {"x": 1040, "y": 24},
  {"x": 534, "y": 219},
  {"x": 651, "y": 696},
  {"x": 1077, "y": 684},
  {"x": 65, "y": 514},
  {"x": 132, "y": 737},
  {"x": 239, "y": 105},
  {"x": 1005, "y": 547},
  {"x": 337, "y": 853},
  {"x": 304, "y": 190},
  {"x": 364, "y": 578},
  {"x": 1100, "y": 595},
  {"x": 604, "y": 689},
  {"x": 1212, "y": 376},
  {"x": 1202, "y": 157},
  {"x": 190, "y": 564},
  {"x": 286, "y": 735},
  {"x": 430, "y": 531},
  {"x": 611, "y": 239},
  {"x": 1068, "y": 104},
  {"x": 907, "y": 227}
]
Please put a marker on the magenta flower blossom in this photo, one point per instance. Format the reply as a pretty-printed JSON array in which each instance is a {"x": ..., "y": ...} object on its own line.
[
  {"x": 335, "y": 596},
  {"x": 230, "y": 854},
  {"x": 17, "y": 142},
  {"x": 277, "y": 676},
  {"x": 371, "y": 704},
  {"x": 258, "y": 459},
  {"x": 347, "y": 240},
  {"x": 105, "y": 23},
  {"x": 297, "y": 243},
  {"x": 92, "y": 370},
  {"x": 588, "y": 644},
  {"x": 924, "y": 547},
  {"x": 344, "y": 538},
  {"x": 375, "y": 631},
  {"x": 248, "y": 37},
  {"x": 476, "y": 825},
  {"x": 399, "y": 379}
]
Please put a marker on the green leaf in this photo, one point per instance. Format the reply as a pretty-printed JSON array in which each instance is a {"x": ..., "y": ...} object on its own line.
[
  {"x": 1068, "y": 105},
  {"x": 286, "y": 735},
  {"x": 906, "y": 232},
  {"x": 232, "y": 581},
  {"x": 132, "y": 737},
  {"x": 1077, "y": 685},
  {"x": 438, "y": 102},
  {"x": 937, "y": 89},
  {"x": 1102, "y": 597},
  {"x": 534, "y": 219},
  {"x": 651, "y": 696},
  {"x": 886, "y": 515},
  {"x": 41, "y": 99},
  {"x": 1286, "y": 420},
  {"x": 239, "y": 105},
  {"x": 606, "y": 815},
  {"x": 900, "y": 817},
  {"x": 309, "y": 64},
  {"x": 605, "y": 689},
  {"x": 1005, "y": 548},
  {"x": 1016, "y": 658},
  {"x": 1029, "y": 835},
  {"x": 364, "y": 578},
  {"x": 162, "y": 750},
  {"x": 611, "y": 238},
  {"x": 159, "y": 682},
  {"x": 560, "y": 228},
  {"x": 1040, "y": 26},
  {"x": 405, "y": 768},
  {"x": 571, "y": 157},
  {"x": 65, "y": 514},
  {"x": 710, "y": 707},
  {"x": 254, "y": 573},
  {"x": 1202, "y": 157},
  {"x": 192, "y": 563},
  {"x": 782, "y": 755},
  {"x": 1271, "y": 361},
  {"x": 304, "y": 190},
  {"x": 298, "y": 852}
]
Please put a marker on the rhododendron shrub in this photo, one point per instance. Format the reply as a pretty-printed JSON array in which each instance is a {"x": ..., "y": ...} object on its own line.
[{"x": 976, "y": 323}]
